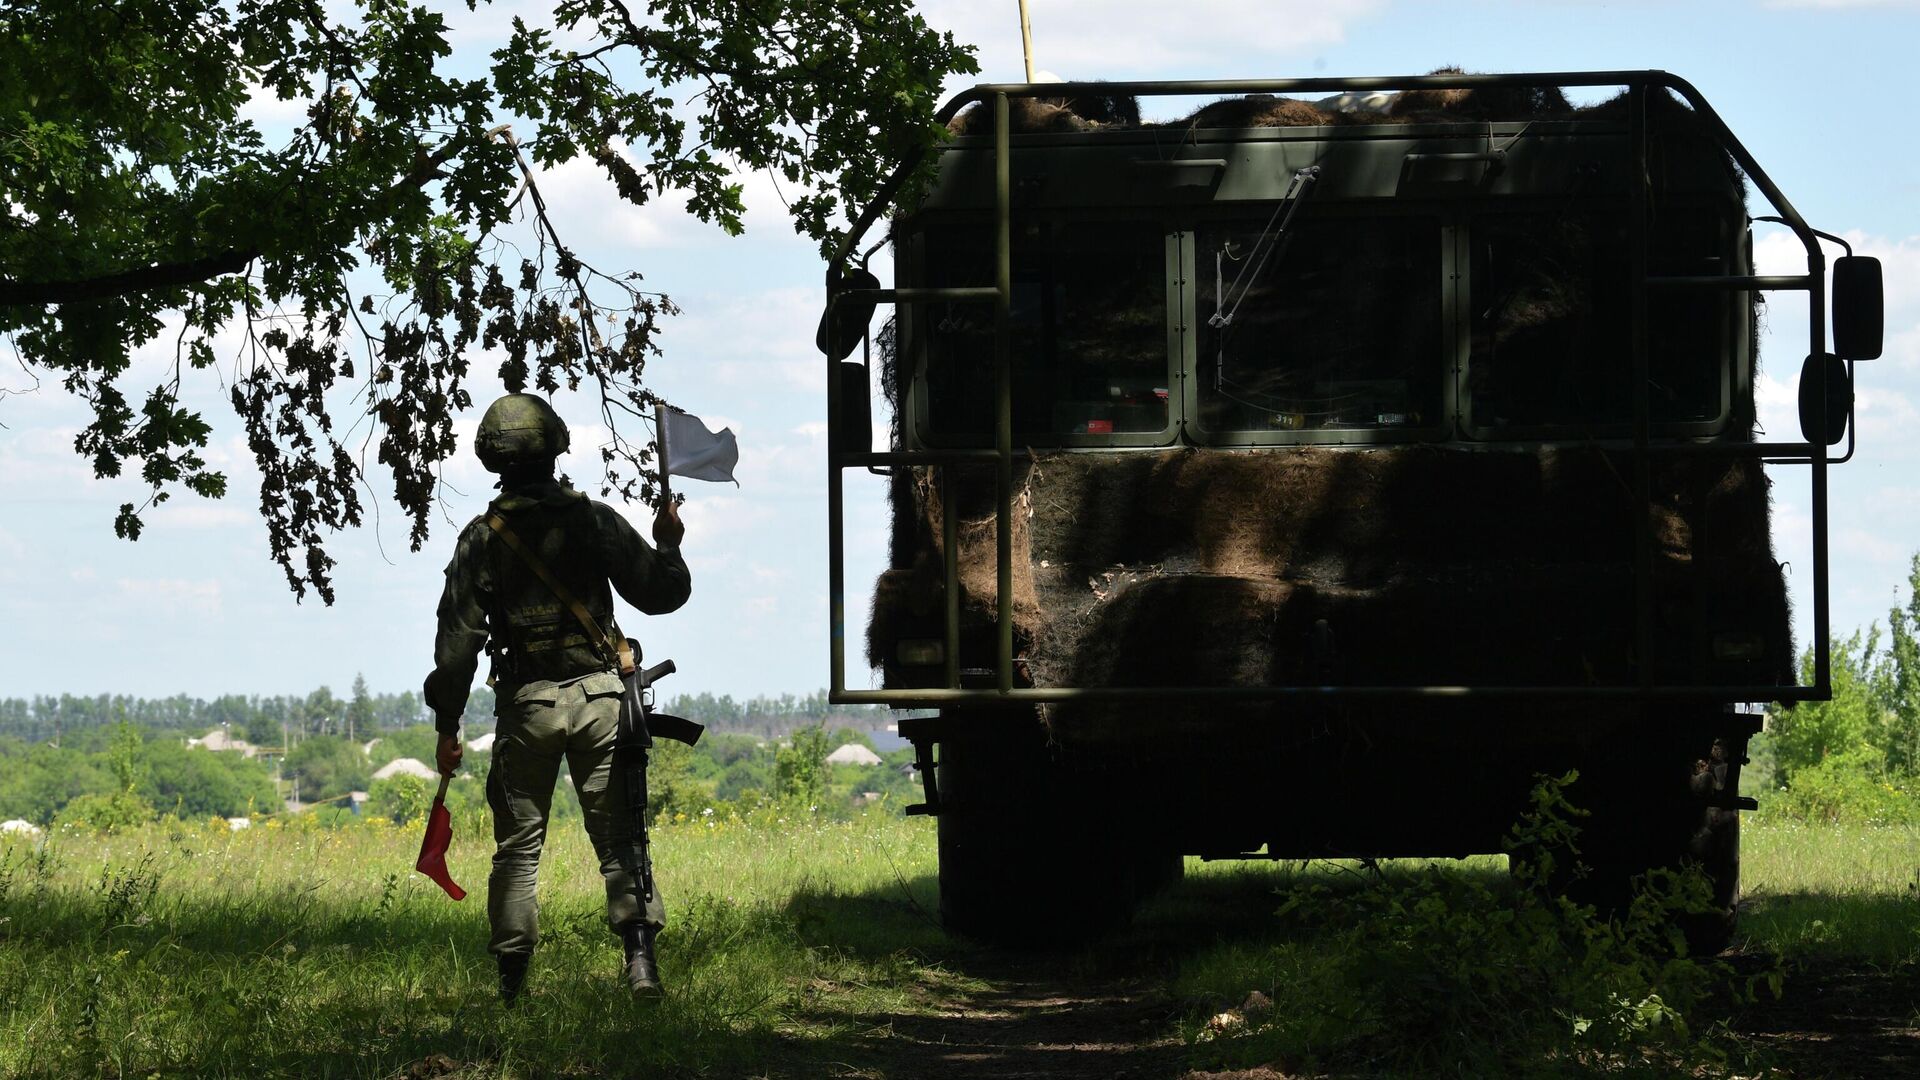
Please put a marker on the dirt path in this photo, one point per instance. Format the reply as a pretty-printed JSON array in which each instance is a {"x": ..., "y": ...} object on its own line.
[
  {"x": 1030, "y": 1024},
  {"x": 1842, "y": 1022}
]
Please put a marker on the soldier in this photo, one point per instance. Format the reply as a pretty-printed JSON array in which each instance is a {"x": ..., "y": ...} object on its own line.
[{"x": 557, "y": 694}]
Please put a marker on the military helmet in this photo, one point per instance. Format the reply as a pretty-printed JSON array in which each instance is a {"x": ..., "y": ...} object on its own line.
[{"x": 519, "y": 428}]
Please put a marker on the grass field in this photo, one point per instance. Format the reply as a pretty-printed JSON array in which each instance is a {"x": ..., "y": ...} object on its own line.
[{"x": 794, "y": 945}]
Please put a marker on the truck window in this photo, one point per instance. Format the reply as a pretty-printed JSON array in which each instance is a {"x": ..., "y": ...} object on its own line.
[
  {"x": 1339, "y": 329},
  {"x": 1089, "y": 329},
  {"x": 1551, "y": 324}
]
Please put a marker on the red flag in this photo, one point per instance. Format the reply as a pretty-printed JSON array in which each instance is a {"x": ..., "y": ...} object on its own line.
[{"x": 433, "y": 847}]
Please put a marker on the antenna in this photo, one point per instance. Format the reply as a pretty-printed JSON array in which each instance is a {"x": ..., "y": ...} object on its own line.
[{"x": 1026, "y": 39}]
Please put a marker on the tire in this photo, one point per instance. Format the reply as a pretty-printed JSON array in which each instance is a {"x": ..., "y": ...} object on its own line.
[
  {"x": 1025, "y": 860},
  {"x": 1670, "y": 806}
]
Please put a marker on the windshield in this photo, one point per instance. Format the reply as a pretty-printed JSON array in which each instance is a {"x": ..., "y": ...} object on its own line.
[
  {"x": 1089, "y": 329},
  {"x": 1552, "y": 341},
  {"x": 1337, "y": 328}
]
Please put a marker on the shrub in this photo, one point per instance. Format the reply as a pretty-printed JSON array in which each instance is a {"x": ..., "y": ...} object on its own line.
[
  {"x": 109, "y": 812},
  {"x": 1851, "y": 788},
  {"x": 400, "y": 798},
  {"x": 1439, "y": 971},
  {"x": 800, "y": 767}
]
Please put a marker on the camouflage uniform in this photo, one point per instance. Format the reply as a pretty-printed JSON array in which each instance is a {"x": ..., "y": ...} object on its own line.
[{"x": 556, "y": 696}]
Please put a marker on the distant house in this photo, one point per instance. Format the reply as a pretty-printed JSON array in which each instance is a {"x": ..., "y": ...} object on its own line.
[
  {"x": 219, "y": 740},
  {"x": 481, "y": 745},
  {"x": 405, "y": 766},
  {"x": 853, "y": 754}
]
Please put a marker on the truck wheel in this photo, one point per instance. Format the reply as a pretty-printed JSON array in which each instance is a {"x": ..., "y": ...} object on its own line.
[
  {"x": 1025, "y": 860},
  {"x": 1679, "y": 814}
]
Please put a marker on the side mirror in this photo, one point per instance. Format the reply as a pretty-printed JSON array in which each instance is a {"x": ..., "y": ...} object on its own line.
[
  {"x": 844, "y": 323},
  {"x": 856, "y": 409},
  {"x": 1828, "y": 427},
  {"x": 1859, "y": 308}
]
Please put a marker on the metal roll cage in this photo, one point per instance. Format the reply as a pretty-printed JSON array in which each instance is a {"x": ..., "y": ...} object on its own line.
[{"x": 1638, "y": 83}]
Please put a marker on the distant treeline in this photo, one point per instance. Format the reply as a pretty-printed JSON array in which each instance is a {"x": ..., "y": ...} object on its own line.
[
  {"x": 775, "y": 717},
  {"x": 262, "y": 720},
  {"x": 266, "y": 720}
]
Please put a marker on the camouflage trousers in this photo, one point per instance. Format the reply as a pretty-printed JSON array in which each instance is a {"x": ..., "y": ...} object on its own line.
[{"x": 541, "y": 723}]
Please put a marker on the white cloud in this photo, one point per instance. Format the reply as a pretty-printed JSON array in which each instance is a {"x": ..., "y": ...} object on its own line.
[
  {"x": 200, "y": 596},
  {"x": 589, "y": 214},
  {"x": 1108, "y": 39},
  {"x": 1864, "y": 544},
  {"x": 274, "y": 116},
  {"x": 1888, "y": 414},
  {"x": 202, "y": 514},
  {"x": 757, "y": 342}
]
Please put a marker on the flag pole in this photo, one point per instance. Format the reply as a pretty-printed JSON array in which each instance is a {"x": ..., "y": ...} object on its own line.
[{"x": 660, "y": 439}]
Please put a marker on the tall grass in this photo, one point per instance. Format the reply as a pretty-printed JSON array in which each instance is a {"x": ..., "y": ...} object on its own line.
[
  {"x": 290, "y": 950},
  {"x": 191, "y": 950},
  {"x": 1832, "y": 893}
]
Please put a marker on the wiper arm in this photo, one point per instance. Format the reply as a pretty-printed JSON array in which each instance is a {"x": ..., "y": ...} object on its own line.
[{"x": 1274, "y": 238}]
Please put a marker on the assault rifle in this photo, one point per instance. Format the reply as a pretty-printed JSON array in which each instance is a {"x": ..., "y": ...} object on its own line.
[{"x": 633, "y": 749}]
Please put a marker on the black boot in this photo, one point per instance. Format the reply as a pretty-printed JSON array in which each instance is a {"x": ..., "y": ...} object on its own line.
[
  {"x": 643, "y": 976},
  {"x": 513, "y": 975}
]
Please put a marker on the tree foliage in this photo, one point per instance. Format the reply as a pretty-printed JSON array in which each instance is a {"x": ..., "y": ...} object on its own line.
[
  {"x": 1857, "y": 756},
  {"x": 371, "y": 250},
  {"x": 800, "y": 767},
  {"x": 327, "y": 766}
]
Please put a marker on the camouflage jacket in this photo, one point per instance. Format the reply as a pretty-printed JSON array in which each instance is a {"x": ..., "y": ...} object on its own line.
[{"x": 493, "y": 600}]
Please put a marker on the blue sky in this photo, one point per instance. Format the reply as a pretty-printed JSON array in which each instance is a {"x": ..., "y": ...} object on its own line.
[{"x": 196, "y": 606}]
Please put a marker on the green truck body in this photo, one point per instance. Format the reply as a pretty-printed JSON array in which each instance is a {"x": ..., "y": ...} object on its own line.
[{"x": 1303, "y": 478}]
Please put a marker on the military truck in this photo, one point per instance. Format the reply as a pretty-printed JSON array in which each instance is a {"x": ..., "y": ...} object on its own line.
[{"x": 1305, "y": 477}]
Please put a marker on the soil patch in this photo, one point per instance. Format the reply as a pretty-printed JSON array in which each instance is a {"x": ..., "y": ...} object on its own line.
[
  {"x": 1840, "y": 1020},
  {"x": 1032, "y": 1024}
]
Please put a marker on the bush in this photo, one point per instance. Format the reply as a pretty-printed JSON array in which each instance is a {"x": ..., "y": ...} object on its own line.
[
  {"x": 800, "y": 767},
  {"x": 201, "y": 783},
  {"x": 1850, "y": 788},
  {"x": 1439, "y": 972},
  {"x": 109, "y": 812},
  {"x": 399, "y": 799}
]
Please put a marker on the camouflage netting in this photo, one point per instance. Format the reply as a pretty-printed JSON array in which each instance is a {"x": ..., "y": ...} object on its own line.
[
  {"x": 1415, "y": 564},
  {"x": 1107, "y": 112},
  {"x": 1429, "y": 565}
]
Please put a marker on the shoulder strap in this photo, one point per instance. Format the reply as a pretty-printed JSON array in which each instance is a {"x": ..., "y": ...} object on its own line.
[{"x": 620, "y": 652}]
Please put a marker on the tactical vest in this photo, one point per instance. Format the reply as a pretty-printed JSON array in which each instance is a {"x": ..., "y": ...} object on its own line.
[{"x": 534, "y": 636}]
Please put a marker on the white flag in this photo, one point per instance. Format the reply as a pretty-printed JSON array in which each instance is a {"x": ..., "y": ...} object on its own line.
[{"x": 693, "y": 451}]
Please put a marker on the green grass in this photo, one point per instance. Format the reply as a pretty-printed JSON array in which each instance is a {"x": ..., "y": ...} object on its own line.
[
  {"x": 1831, "y": 893},
  {"x": 282, "y": 951},
  {"x": 188, "y": 950}
]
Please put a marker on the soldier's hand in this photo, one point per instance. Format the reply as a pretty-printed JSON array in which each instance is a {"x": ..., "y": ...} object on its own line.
[
  {"x": 667, "y": 529},
  {"x": 449, "y": 754}
]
